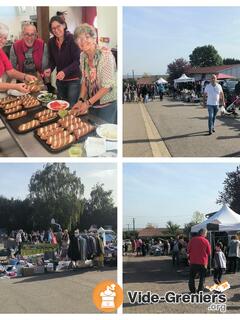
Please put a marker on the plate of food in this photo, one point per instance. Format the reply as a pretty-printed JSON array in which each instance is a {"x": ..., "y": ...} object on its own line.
[
  {"x": 107, "y": 131},
  {"x": 58, "y": 105},
  {"x": 46, "y": 97}
]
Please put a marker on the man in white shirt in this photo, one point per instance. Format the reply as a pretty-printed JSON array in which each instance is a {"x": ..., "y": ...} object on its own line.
[{"x": 213, "y": 93}]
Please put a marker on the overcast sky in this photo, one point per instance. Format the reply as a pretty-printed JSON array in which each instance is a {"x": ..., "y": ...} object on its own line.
[
  {"x": 15, "y": 177},
  {"x": 155, "y": 36},
  {"x": 157, "y": 193}
]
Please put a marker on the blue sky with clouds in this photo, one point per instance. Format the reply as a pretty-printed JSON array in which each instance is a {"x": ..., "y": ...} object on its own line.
[
  {"x": 15, "y": 177},
  {"x": 159, "y": 192},
  {"x": 155, "y": 36}
]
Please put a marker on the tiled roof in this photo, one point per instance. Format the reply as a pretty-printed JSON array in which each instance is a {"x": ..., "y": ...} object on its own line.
[
  {"x": 213, "y": 69},
  {"x": 147, "y": 80}
]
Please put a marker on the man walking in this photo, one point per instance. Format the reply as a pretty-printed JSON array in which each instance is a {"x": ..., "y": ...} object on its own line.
[
  {"x": 199, "y": 250},
  {"x": 214, "y": 94}
]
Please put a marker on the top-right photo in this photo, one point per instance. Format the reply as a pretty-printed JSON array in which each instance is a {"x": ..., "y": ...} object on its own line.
[{"x": 181, "y": 81}]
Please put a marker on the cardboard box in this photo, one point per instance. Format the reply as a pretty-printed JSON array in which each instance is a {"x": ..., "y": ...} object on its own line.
[{"x": 26, "y": 272}]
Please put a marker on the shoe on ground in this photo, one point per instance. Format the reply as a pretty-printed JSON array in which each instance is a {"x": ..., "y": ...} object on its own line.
[{"x": 213, "y": 130}]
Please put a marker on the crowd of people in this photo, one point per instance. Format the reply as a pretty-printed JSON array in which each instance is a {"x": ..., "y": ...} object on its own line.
[
  {"x": 18, "y": 238},
  {"x": 85, "y": 72},
  {"x": 196, "y": 253},
  {"x": 143, "y": 92}
]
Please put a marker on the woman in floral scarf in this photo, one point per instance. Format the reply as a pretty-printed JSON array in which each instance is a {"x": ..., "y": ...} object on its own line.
[{"x": 98, "y": 66}]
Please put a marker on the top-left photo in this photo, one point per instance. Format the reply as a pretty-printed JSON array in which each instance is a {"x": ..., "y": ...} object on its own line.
[{"x": 58, "y": 81}]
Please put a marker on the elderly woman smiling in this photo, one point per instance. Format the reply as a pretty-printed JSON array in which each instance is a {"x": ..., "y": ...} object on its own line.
[
  {"x": 98, "y": 89},
  {"x": 7, "y": 68}
]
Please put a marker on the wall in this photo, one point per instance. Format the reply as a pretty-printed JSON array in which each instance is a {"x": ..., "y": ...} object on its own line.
[
  {"x": 73, "y": 17},
  {"x": 107, "y": 24},
  {"x": 12, "y": 17}
]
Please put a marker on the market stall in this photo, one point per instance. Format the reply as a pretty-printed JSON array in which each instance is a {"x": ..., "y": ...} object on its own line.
[
  {"x": 85, "y": 250},
  {"x": 225, "y": 219}
]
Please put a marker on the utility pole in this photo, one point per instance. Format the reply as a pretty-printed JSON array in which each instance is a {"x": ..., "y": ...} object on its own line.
[
  {"x": 133, "y": 74},
  {"x": 133, "y": 224}
]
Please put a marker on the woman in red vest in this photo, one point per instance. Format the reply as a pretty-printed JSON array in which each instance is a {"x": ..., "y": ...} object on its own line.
[{"x": 7, "y": 68}]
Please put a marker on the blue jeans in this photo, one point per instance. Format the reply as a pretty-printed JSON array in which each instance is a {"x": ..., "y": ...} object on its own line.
[
  {"x": 212, "y": 113},
  {"x": 109, "y": 113},
  {"x": 69, "y": 91}
]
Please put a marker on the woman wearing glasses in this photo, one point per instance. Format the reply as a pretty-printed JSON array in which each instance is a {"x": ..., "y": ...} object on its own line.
[
  {"x": 64, "y": 55},
  {"x": 98, "y": 88}
]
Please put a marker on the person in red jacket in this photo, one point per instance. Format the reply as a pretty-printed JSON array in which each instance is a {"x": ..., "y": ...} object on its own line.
[
  {"x": 199, "y": 250},
  {"x": 29, "y": 55}
]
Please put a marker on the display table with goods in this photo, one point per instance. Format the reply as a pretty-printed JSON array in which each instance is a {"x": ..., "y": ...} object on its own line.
[
  {"x": 43, "y": 126},
  {"x": 39, "y": 259}
]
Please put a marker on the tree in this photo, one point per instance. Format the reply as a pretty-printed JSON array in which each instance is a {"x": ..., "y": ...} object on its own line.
[
  {"x": 150, "y": 225},
  {"x": 172, "y": 228},
  {"x": 176, "y": 68},
  {"x": 55, "y": 192},
  {"x": 205, "y": 56},
  {"x": 197, "y": 217},
  {"x": 228, "y": 61},
  {"x": 99, "y": 209},
  {"x": 231, "y": 190}
]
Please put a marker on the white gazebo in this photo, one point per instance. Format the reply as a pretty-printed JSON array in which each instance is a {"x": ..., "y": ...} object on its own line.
[
  {"x": 161, "y": 80},
  {"x": 226, "y": 219},
  {"x": 183, "y": 79}
]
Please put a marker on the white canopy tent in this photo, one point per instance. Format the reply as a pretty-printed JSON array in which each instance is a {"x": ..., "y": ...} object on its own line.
[
  {"x": 162, "y": 81},
  {"x": 183, "y": 79},
  {"x": 225, "y": 218}
]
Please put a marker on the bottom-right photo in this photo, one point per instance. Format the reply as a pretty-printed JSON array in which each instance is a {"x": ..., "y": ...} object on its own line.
[{"x": 181, "y": 231}]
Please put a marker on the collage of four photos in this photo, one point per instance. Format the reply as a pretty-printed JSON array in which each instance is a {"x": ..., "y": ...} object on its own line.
[{"x": 76, "y": 104}]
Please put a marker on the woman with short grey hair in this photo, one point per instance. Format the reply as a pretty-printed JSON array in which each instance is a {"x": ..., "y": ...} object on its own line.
[
  {"x": 98, "y": 89},
  {"x": 7, "y": 68}
]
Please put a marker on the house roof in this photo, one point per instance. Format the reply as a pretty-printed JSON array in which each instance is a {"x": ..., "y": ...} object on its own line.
[
  {"x": 213, "y": 69},
  {"x": 151, "y": 232},
  {"x": 147, "y": 80}
]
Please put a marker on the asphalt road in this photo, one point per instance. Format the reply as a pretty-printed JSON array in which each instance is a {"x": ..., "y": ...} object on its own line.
[
  {"x": 159, "y": 276},
  {"x": 65, "y": 292},
  {"x": 184, "y": 130}
]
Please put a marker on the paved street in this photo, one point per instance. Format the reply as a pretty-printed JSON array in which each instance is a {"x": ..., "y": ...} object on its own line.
[
  {"x": 158, "y": 275},
  {"x": 182, "y": 127},
  {"x": 65, "y": 292}
]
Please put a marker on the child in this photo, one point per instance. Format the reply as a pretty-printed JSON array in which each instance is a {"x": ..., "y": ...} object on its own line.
[{"x": 219, "y": 261}]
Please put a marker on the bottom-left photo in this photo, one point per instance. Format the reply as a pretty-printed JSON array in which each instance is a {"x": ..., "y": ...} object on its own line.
[{"x": 58, "y": 235}]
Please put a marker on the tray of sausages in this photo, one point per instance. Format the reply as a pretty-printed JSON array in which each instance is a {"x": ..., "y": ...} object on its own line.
[
  {"x": 24, "y": 121},
  {"x": 60, "y": 135},
  {"x": 6, "y": 100},
  {"x": 11, "y": 106}
]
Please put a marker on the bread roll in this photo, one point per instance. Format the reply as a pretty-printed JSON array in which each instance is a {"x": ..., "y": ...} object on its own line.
[
  {"x": 16, "y": 115},
  {"x": 13, "y": 110},
  {"x": 62, "y": 142},
  {"x": 48, "y": 128},
  {"x": 29, "y": 125}
]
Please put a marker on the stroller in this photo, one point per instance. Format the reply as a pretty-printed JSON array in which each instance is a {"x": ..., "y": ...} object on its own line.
[{"x": 231, "y": 108}]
